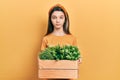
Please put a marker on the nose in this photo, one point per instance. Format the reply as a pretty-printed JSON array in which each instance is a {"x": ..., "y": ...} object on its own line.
[{"x": 57, "y": 20}]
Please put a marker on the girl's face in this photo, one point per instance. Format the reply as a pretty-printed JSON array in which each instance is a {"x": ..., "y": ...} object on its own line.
[{"x": 58, "y": 19}]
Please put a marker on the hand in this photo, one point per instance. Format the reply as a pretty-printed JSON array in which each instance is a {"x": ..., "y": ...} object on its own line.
[{"x": 80, "y": 60}]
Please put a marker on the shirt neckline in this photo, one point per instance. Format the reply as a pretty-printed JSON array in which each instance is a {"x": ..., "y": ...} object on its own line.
[{"x": 59, "y": 36}]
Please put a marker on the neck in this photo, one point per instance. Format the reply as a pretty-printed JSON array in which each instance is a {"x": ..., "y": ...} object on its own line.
[{"x": 59, "y": 32}]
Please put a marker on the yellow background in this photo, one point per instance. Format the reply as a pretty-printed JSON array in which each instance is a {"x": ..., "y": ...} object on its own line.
[{"x": 95, "y": 23}]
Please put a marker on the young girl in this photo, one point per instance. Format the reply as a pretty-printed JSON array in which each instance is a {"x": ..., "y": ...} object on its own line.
[{"x": 58, "y": 29}]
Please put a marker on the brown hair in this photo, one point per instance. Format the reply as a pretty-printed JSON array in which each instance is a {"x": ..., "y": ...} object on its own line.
[{"x": 58, "y": 7}]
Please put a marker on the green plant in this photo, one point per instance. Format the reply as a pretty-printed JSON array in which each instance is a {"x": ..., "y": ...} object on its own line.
[{"x": 67, "y": 52}]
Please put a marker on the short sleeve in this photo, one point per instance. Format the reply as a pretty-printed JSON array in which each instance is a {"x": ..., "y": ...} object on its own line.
[
  {"x": 43, "y": 44},
  {"x": 75, "y": 42}
]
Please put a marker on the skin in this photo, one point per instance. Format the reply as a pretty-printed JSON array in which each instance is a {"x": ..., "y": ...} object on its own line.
[{"x": 58, "y": 20}]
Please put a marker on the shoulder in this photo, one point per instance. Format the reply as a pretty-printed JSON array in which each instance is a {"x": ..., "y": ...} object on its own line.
[
  {"x": 71, "y": 36},
  {"x": 46, "y": 37}
]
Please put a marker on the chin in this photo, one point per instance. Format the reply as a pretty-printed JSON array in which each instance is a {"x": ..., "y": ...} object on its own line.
[{"x": 58, "y": 27}]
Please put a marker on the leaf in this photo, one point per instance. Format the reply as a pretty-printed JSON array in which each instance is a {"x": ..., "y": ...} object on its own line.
[{"x": 66, "y": 52}]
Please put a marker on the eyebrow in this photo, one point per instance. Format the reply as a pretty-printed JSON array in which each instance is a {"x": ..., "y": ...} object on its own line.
[
  {"x": 55, "y": 15},
  {"x": 61, "y": 15}
]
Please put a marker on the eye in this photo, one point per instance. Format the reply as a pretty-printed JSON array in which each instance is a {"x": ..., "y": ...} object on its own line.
[
  {"x": 61, "y": 17},
  {"x": 54, "y": 17}
]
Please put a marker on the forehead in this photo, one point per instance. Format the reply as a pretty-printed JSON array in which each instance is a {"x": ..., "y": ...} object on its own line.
[{"x": 57, "y": 13}]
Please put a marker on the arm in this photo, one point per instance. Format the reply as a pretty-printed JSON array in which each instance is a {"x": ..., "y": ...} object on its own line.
[
  {"x": 43, "y": 44},
  {"x": 75, "y": 44}
]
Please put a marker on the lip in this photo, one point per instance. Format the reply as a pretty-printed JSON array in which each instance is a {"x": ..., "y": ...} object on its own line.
[{"x": 58, "y": 24}]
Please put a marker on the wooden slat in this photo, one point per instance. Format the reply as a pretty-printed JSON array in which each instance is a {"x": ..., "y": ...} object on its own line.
[
  {"x": 61, "y": 64},
  {"x": 61, "y": 74}
]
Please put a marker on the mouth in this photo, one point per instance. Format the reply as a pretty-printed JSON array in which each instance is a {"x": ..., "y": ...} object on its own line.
[{"x": 57, "y": 24}]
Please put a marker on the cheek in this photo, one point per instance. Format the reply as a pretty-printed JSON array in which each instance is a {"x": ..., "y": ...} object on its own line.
[
  {"x": 53, "y": 21},
  {"x": 62, "y": 21}
]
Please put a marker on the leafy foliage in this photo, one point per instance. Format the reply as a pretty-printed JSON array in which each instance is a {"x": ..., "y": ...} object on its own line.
[{"x": 67, "y": 52}]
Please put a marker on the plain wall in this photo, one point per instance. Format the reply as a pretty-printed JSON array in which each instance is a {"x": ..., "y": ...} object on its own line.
[{"x": 95, "y": 23}]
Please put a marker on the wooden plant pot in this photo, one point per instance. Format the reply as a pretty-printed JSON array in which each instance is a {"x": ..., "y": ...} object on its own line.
[{"x": 62, "y": 69}]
